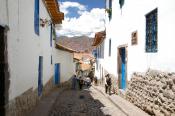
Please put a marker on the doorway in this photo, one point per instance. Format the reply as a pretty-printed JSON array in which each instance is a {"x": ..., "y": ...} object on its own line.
[
  {"x": 57, "y": 74},
  {"x": 122, "y": 67},
  {"x": 4, "y": 74},
  {"x": 40, "y": 76}
]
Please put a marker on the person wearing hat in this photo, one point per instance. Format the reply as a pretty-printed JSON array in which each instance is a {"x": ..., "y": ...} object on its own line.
[
  {"x": 74, "y": 82},
  {"x": 108, "y": 84}
]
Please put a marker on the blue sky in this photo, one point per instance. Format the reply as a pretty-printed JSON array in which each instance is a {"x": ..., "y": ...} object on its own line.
[
  {"x": 82, "y": 17},
  {"x": 89, "y": 4}
]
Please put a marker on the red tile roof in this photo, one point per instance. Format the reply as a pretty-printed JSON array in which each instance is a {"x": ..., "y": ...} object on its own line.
[
  {"x": 54, "y": 12},
  {"x": 99, "y": 37},
  {"x": 64, "y": 48}
]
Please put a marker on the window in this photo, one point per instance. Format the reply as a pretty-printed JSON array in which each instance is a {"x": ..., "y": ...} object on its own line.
[
  {"x": 51, "y": 62},
  {"x": 51, "y": 31},
  {"x": 40, "y": 76},
  {"x": 102, "y": 50},
  {"x": 134, "y": 38},
  {"x": 110, "y": 3},
  {"x": 110, "y": 9},
  {"x": 121, "y": 2},
  {"x": 97, "y": 64},
  {"x": 110, "y": 47},
  {"x": 36, "y": 17},
  {"x": 99, "y": 51},
  {"x": 151, "y": 31}
]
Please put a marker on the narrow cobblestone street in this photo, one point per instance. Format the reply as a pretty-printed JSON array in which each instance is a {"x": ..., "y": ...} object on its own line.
[{"x": 88, "y": 102}]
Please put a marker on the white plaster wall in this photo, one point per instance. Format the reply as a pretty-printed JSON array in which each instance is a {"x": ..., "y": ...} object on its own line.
[
  {"x": 121, "y": 26},
  {"x": 67, "y": 66},
  {"x": 25, "y": 47},
  {"x": 3, "y": 12}
]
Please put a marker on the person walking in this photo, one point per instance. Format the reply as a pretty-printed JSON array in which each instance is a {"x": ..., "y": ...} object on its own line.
[
  {"x": 74, "y": 79},
  {"x": 80, "y": 82},
  {"x": 106, "y": 85},
  {"x": 109, "y": 83}
]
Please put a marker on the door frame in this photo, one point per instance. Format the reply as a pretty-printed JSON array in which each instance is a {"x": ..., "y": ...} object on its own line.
[
  {"x": 5, "y": 77},
  {"x": 40, "y": 76},
  {"x": 125, "y": 46},
  {"x": 57, "y": 73}
]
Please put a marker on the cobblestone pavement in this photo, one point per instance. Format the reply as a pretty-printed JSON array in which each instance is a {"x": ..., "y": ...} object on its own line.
[{"x": 87, "y": 102}]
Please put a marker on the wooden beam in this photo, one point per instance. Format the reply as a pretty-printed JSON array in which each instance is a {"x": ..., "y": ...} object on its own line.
[{"x": 53, "y": 9}]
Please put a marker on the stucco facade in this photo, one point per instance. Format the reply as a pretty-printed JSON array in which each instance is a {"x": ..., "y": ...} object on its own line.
[
  {"x": 23, "y": 48},
  {"x": 67, "y": 66},
  {"x": 132, "y": 18}
]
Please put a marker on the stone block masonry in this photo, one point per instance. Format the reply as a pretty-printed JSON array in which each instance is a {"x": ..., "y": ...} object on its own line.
[
  {"x": 23, "y": 104},
  {"x": 153, "y": 92}
]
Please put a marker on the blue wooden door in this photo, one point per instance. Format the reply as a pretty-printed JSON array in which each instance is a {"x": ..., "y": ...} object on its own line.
[
  {"x": 123, "y": 68},
  {"x": 57, "y": 74},
  {"x": 40, "y": 75}
]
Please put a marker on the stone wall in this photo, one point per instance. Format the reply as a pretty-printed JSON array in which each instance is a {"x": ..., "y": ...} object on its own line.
[
  {"x": 48, "y": 87},
  {"x": 24, "y": 103},
  {"x": 153, "y": 92}
]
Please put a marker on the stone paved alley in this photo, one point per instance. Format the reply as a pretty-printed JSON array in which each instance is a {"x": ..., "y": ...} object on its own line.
[{"x": 88, "y": 102}]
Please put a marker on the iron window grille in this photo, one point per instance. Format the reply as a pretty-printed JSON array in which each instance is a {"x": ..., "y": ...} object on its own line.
[{"x": 151, "y": 31}]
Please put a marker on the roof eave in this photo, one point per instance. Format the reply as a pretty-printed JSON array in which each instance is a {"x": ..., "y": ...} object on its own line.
[{"x": 54, "y": 12}]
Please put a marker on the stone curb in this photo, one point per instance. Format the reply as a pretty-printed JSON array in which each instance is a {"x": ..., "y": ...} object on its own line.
[{"x": 107, "y": 96}]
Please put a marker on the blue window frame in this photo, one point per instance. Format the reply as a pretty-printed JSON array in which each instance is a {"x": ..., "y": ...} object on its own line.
[
  {"x": 36, "y": 17},
  {"x": 151, "y": 31},
  {"x": 110, "y": 3},
  {"x": 51, "y": 60},
  {"x": 110, "y": 9},
  {"x": 110, "y": 47},
  {"x": 51, "y": 31},
  {"x": 40, "y": 76}
]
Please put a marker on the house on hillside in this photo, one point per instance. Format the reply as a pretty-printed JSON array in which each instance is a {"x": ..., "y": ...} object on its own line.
[
  {"x": 26, "y": 52},
  {"x": 83, "y": 52},
  {"x": 139, "y": 36},
  {"x": 64, "y": 60},
  {"x": 98, "y": 43},
  {"x": 84, "y": 63}
]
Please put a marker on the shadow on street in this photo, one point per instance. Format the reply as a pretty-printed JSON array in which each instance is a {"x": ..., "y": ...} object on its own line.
[{"x": 77, "y": 103}]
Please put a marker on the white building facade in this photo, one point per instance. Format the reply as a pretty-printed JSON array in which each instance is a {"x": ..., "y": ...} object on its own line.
[
  {"x": 28, "y": 53},
  {"x": 139, "y": 36}
]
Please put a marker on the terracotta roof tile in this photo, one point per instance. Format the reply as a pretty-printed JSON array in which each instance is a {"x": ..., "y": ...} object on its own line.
[
  {"x": 53, "y": 9},
  {"x": 99, "y": 37}
]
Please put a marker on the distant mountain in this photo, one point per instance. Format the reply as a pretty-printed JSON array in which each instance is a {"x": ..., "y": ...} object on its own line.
[{"x": 77, "y": 43}]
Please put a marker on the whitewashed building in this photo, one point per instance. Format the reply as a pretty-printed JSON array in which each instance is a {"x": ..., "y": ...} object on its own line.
[
  {"x": 139, "y": 36},
  {"x": 29, "y": 61},
  {"x": 64, "y": 57}
]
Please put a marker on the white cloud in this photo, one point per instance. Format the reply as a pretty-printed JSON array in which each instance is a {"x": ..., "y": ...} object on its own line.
[
  {"x": 65, "y": 5},
  {"x": 88, "y": 23}
]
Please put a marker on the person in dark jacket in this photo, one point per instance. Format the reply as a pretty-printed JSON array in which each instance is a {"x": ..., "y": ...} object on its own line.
[
  {"x": 74, "y": 79},
  {"x": 109, "y": 83},
  {"x": 80, "y": 82}
]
